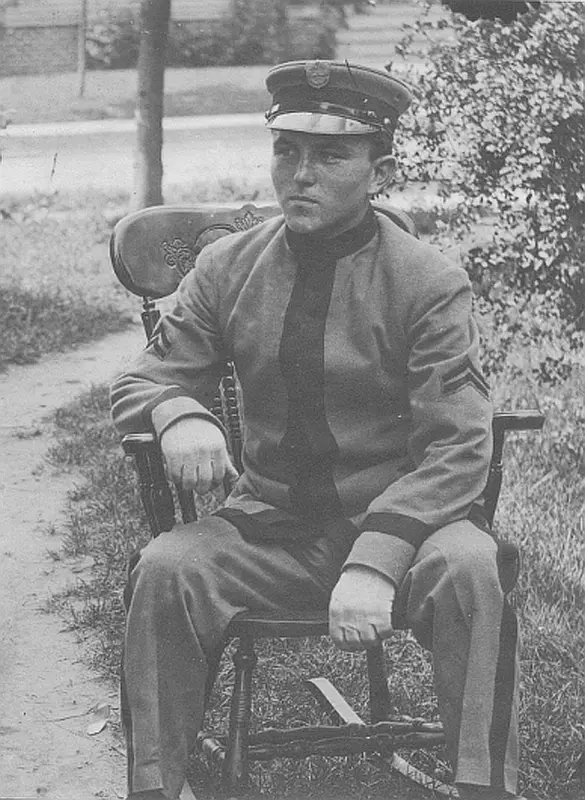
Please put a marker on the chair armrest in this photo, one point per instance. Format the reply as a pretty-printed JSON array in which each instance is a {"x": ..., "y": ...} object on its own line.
[
  {"x": 517, "y": 421},
  {"x": 504, "y": 421},
  {"x": 155, "y": 492},
  {"x": 134, "y": 443}
]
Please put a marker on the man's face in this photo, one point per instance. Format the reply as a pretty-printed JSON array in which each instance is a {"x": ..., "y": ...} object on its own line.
[{"x": 322, "y": 182}]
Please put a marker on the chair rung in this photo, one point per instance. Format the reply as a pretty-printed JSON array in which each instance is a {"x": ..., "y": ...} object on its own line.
[
  {"x": 342, "y": 746},
  {"x": 383, "y": 744},
  {"x": 394, "y": 728},
  {"x": 331, "y": 740}
]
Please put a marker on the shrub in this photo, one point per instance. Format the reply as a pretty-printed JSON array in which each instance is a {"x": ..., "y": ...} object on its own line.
[
  {"x": 524, "y": 334},
  {"x": 189, "y": 46},
  {"x": 254, "y": 32},
  {"x": 112, "y": 41},
  {"x": 499, "y": 122}
]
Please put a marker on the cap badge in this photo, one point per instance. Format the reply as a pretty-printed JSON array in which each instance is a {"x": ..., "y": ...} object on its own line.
[{"x": 318, "y": 73}]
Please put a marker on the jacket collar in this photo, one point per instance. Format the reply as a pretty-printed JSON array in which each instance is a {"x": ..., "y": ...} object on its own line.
[{"x": 310, "y": 245}]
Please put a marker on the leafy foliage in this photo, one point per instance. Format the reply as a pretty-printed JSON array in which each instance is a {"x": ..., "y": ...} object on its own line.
[
  {"x": 254, "y": 32},
  {"x": 112, "y": 42},
  {"x": 505, "y": 10},
  {"x": 499, "y": 123}
]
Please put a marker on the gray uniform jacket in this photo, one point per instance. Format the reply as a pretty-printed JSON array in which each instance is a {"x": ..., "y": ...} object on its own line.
[{"x": 363, "y": 400}]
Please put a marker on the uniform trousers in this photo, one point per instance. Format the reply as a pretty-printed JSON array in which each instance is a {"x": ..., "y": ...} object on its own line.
[{"x": 188, "y": 583}]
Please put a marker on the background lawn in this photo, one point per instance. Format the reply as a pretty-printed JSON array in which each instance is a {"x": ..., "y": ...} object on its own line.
[
  {"x": 56, "y": 286},
  {"x": 112, "y": 94}
]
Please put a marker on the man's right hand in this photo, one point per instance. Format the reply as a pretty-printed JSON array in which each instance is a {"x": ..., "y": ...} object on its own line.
[{"x": 196, "y": 455}]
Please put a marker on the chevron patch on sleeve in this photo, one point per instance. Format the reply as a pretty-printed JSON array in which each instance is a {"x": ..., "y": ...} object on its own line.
[
  {"x": 465, "y": 375},
  {"x": 159, "y": 343}
]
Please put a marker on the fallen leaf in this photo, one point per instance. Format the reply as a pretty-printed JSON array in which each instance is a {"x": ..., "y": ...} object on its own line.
[
  {"x": 99, "y": 719},
  {"x": 187, "y": 793}
]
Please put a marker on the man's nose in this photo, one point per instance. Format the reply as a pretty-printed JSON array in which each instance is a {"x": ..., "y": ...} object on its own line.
[{"x": 305, "y": 172}]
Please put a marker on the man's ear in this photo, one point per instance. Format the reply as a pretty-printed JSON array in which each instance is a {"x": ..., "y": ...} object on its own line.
[{"x": 384, "y": 168}]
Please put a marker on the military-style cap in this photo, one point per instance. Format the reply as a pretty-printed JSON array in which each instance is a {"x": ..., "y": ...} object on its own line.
[{"x": 334, "y": 97}]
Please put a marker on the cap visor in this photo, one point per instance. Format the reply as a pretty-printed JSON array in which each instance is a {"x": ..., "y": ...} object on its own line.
[{"x": 306, "y": 122}]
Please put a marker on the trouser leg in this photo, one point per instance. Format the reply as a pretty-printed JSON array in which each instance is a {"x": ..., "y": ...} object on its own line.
[
  {"x": 452, "y": 600},
  {"x": 185, "y": 588}
]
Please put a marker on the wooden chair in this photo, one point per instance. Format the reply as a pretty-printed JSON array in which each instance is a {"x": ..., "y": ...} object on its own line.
[{"x": 151, "y": 250}]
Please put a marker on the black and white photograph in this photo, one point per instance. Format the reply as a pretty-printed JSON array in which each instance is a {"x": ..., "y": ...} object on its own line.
[{"x": 292, "y": 381}]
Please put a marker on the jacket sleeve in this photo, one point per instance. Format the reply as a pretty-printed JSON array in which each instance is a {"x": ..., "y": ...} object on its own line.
[
  {"x": 450, "y": 442},
  {"x": 178, "y": 373}
]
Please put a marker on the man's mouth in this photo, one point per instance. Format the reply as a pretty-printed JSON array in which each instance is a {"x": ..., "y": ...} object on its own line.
[{"x": 299, "y": 198}]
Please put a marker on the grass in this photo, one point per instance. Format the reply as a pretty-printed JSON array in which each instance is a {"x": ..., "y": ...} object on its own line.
[
  {"x": 542, "y": 508},
  {"x": 112, "y": 94},
  {"x": 38, "y": 322},
  {"x": 56, "y": 286}
]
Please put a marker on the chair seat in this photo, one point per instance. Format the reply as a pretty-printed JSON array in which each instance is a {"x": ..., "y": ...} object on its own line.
[{"x": 301, "y": 623}]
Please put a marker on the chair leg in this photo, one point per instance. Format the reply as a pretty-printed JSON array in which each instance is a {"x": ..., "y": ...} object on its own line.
[
  {"x": 378, "y": 680},
  {"x": 235, "y": 772}
]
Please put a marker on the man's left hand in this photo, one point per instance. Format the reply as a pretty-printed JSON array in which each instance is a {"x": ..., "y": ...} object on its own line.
[{"x": 360, "y": 609}]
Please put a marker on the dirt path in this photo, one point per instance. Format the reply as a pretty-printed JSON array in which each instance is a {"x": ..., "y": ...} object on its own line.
[{"x": 45, "y": 692}]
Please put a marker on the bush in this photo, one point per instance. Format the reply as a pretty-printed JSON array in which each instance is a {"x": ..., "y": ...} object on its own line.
[
  {"x": 205, "y": 45},
  {"x": 112, "y": 42},
  {"x": 525, "y": 335},
  {"x": 255, "y": 32},
  {"x": 499, "y": 122}
]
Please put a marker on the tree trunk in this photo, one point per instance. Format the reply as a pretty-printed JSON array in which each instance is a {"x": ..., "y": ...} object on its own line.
[
  {"x": 148, "y": 170},
  {"x": 81, "y": 58},
  {"x": 282, "y": 30}
]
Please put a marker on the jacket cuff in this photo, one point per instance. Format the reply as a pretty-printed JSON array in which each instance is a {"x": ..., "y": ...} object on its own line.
[
  {"x": 409, "y": 529},
  {"x": 389, "y": 555},
  {"x": 170, "y": 407}
]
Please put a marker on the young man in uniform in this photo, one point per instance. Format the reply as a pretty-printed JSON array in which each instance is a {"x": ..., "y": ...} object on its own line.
[{"x": 367, "y": 441}]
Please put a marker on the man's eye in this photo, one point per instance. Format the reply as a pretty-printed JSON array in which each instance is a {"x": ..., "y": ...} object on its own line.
[
  {"x": 283, "y": 150},
  {"x": 331, "y": 155}
]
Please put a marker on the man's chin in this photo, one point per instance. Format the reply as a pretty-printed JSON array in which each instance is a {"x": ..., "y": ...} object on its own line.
[{"x": 299, "y": 223}]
